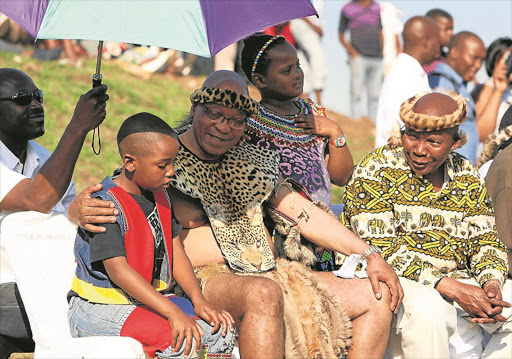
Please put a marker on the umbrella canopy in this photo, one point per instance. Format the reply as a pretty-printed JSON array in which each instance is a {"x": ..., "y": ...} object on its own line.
[{"x": 201, "y": 27}]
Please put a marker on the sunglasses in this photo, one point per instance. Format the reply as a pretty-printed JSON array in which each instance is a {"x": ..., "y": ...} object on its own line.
[{"x": 23, "y": 98}]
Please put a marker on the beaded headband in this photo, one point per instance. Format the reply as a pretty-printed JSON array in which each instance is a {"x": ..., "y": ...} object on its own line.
[
  {"x": 226, "y": 98},
  {"x": 427, "y": 123},
  {"x": 262, "y": 51}
]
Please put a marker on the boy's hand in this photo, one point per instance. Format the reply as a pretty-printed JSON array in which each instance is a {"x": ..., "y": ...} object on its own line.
[
  {"x": 183, "y": 327},
  {"x": 214, "y": 316}
]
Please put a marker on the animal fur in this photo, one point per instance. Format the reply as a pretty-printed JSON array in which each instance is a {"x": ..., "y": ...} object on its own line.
[
  {"x": 492, "y": 143},
  {"x": 316, "y": 325},
  {"x": 295, "y": 247}
]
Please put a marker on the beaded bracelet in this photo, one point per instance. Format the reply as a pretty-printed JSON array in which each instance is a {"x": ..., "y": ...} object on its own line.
[{"x": 261, "y": 52}]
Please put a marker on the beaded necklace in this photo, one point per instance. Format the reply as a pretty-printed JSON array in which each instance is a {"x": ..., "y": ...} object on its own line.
[{"x": 281, "y": 129}]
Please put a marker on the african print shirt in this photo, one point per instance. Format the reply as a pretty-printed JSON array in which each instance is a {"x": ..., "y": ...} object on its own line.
[
  {"x": 425, "y": 235},
  {"x": 302, "y": 155}
]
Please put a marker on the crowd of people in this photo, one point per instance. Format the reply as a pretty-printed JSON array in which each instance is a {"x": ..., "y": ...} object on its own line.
[{"x": 220, "y": 231}]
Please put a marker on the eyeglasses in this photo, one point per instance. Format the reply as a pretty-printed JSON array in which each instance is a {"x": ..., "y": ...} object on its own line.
[
  {"x": 215, "y": 117},
  {"x": 23, "y": 98}
]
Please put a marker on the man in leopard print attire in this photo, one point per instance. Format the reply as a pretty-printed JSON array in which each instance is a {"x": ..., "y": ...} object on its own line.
[{"x": 281, "y": 308}]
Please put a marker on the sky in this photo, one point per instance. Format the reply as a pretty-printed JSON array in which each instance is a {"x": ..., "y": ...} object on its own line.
[{"x": 489, "y": 19}]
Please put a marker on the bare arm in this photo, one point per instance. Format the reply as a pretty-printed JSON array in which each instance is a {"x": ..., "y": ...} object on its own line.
[
  {"x": 339, "y": 162},
  {"x": 483, "y": 99},
  {"x": 49, "y": 185},
  {"x": 352, "y": 52},
  {"x": 315, "y": 27},
  {"x": 488, "y": 116},
  {"x": 324, "y": 230},
  {"x": 381, "y": 39},
  {"x": 485, "y": 305}
]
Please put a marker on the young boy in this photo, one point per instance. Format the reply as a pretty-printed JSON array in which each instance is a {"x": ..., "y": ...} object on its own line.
[{"x": 122, "y": 280}]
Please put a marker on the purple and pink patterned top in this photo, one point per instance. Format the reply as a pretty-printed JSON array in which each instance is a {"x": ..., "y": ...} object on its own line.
[
  {"x": 365, "y": 26},
  {"x": 302, "y": 155}
]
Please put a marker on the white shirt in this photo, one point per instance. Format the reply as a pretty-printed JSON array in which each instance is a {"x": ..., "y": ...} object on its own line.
[
  {"x": 37, "y": 155},
  {"x": 8, "y": 179},
  {"x": 11, "y": 172},
  {"x": 405, "y": 79},
  {"x": 391, "y": 26}
]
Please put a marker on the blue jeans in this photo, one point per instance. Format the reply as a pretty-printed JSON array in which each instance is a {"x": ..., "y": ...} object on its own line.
[
  {"x": 366, "y": 72},
  {"x": 92, "y": 319}
]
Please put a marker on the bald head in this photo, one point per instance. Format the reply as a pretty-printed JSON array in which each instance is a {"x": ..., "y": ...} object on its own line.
[
  {"x": 9, "y": 75},
  {"x": 421, "y": 39},
  {"x": 14, "y": 80},
  {"x": 418, "y": 27},
  {"x": 228, "y": 80},
  {"x": 435, "y": 104},
  {"x": 467, "y": 52},
  {"x": 463, "y": 38}
]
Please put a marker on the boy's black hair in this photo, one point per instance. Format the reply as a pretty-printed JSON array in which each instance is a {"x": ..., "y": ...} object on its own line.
[
  {"x": 495, "y": 51},
  {"x": 253, "y": 45},
  {"x": 146, "y": 123},
  {"x": 435, "y": 13}
]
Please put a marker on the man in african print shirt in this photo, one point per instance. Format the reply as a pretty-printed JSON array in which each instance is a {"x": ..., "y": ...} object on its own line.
[{"x": 427, "y": 209}]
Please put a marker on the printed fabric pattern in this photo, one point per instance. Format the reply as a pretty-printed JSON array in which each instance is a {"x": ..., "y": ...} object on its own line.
[
  {"x": 302, "y": 155},
  {"x": 425, "y": 235}
]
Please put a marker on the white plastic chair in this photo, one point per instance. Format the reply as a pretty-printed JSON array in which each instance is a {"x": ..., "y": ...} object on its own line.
[{"x": 40, "y": 248}]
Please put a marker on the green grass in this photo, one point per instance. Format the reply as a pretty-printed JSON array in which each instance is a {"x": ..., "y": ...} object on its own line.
[{"x": 129, "y": 94}]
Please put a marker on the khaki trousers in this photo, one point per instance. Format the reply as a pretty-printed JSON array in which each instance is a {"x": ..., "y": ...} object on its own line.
[{"x": 426, "y": 326}]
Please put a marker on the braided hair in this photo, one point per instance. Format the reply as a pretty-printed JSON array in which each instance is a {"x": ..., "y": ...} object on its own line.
[{"x": 252, "y": 46}]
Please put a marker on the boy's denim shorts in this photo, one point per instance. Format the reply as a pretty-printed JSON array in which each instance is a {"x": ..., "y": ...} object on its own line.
[{"x": 91, "y": 319}]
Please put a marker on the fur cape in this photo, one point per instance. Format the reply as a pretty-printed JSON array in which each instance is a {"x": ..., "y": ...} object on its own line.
[{"x": 316, "y": 325}]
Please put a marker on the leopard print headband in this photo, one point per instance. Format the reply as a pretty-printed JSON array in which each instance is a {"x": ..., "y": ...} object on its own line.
[
  {"x": 427, "y": 123},
  {"x": 226, "y": 98}
]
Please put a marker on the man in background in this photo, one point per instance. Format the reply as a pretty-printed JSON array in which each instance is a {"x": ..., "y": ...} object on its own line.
[
  {"x": 444, "y": 22},
  {"x": 406, "y": 77},
  {"x": 465, "y": 57},
  {"x": 362, "y": 18}
]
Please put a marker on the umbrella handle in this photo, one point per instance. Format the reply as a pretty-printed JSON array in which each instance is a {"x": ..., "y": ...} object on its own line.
[{"x": 96, "y": 81}]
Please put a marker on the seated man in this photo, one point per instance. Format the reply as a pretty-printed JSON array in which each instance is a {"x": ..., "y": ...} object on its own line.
[
  {"x": 218, "y": 190},
  {"x": 427, "y": 209},
  {"x": 33, "y": 179}
]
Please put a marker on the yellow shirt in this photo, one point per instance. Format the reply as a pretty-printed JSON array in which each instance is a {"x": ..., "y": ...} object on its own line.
[{"x": 425, "y": 235}]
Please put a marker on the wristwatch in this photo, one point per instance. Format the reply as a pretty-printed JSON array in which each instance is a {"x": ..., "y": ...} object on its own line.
[
  {"x": 339, "y": 142},
  {"x": 371, "y": 250}
]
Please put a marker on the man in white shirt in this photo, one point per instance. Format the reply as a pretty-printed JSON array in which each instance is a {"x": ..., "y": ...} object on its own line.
[
  {"x": 31, "y": 178},
  {"x": 406, "y": 77}
]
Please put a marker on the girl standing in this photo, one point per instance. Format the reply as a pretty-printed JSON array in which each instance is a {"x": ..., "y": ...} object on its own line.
[{"x": 312, "y": 147}]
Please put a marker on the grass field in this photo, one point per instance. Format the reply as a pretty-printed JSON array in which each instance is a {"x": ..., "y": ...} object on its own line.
[{"x": 162, "y": 95}]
